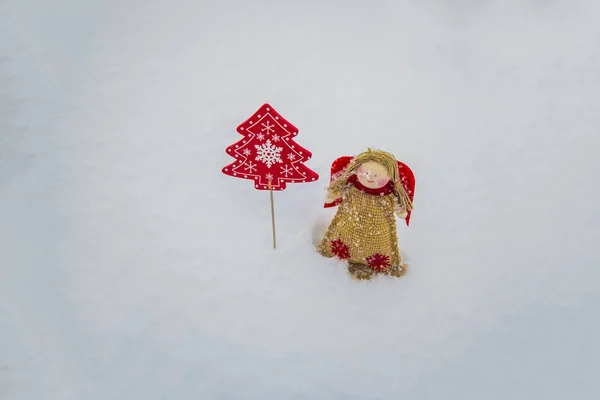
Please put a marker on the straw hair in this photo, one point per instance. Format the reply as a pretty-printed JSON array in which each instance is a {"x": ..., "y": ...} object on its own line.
[{"x": 381, "y": 157}]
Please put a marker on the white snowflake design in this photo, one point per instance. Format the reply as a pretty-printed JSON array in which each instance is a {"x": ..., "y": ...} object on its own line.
[
  {"x": 250, "y": 167},
  {"x": 247, "y": 152},
  {"x": 287, "y": 171},
  {"x": 291, "y": 156},
  {"x": 267, "y": 127},
  {"x": 269, "y": 177},
  {"x": 268, "y": 153},
  {"x": 260, "y": 136},
  {"x": 276, "y": 138}
]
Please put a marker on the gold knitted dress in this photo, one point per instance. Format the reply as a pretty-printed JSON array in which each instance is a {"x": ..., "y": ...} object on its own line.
[{"x": 363, "y": 230}]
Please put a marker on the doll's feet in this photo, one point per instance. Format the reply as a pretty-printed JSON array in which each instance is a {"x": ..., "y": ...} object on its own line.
[
  {"x": 360, "y": 271},
  {"x": 397, "y": 270}
]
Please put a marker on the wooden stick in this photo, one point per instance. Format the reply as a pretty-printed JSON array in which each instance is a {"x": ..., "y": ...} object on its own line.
[{"x": 272, "y": 214}]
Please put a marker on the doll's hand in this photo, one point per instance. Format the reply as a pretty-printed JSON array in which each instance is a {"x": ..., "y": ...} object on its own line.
[
  {"x": 401, "y": 212},
  {"x": 331, "y": 197}
]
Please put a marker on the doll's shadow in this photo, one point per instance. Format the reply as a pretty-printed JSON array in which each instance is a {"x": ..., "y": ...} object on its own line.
[{"x": 319, "y": 229}]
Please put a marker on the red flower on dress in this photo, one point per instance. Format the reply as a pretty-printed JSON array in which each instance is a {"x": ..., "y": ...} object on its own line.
[
  {"x": 340, "y": 249},
  {"x": 378, "y": 261}
]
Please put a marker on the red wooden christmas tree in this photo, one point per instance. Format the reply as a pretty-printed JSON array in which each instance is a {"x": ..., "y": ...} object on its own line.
[{"x": 267, "y": 153}]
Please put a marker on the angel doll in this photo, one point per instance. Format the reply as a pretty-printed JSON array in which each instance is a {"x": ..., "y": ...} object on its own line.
[{"x": 369, "y": 190}]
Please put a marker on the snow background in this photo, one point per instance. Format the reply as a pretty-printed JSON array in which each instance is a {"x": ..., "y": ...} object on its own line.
[{"x": 132, "y": 268}]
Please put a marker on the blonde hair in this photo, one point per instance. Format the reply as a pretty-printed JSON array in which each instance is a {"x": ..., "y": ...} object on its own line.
[{"x": 381, "y": 157}]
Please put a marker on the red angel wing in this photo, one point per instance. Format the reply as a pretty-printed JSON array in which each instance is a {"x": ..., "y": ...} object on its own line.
[
  {"x": 337, "y": 169},
  {"x": 407, "y": 179}
]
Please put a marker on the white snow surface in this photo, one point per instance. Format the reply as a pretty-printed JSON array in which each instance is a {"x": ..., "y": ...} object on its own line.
[{"x": 132, "y": 268}]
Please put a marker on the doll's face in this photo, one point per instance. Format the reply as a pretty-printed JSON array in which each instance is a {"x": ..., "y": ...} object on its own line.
[{"x": 372, "y": 175}]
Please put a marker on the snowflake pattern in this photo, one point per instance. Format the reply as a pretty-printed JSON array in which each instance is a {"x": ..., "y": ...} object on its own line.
[
  {"x": 275, "y": 138},
  {"x": 250, "y": 167},
  {"x": 260, "y": 136},
  {"x": 268, "y": 153},
  {"x": 287, "y": 171},
  {"x": 267, "y": 127},
  {"x": 269, "y": 177},
  {"x": 339, "y": 249},
  {"x": 247, "y": 152},
  {"x": 378, "y": 261}
]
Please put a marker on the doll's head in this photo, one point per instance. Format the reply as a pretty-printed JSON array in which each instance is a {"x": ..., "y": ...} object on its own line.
[
  {"x": 374, "y": 169},
  {"x": 373, "y": 174}
]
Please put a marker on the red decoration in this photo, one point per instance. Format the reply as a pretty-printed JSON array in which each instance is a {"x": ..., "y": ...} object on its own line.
[
  {"x": 340, "y": 249},
  {"x": 407, "y": 178},
  {"x": 268, "y": 152},
  {"x": 378, "y": 261}
]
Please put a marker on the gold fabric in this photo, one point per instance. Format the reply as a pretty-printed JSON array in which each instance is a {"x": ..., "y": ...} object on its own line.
[{"x": 366, "y": 224}]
